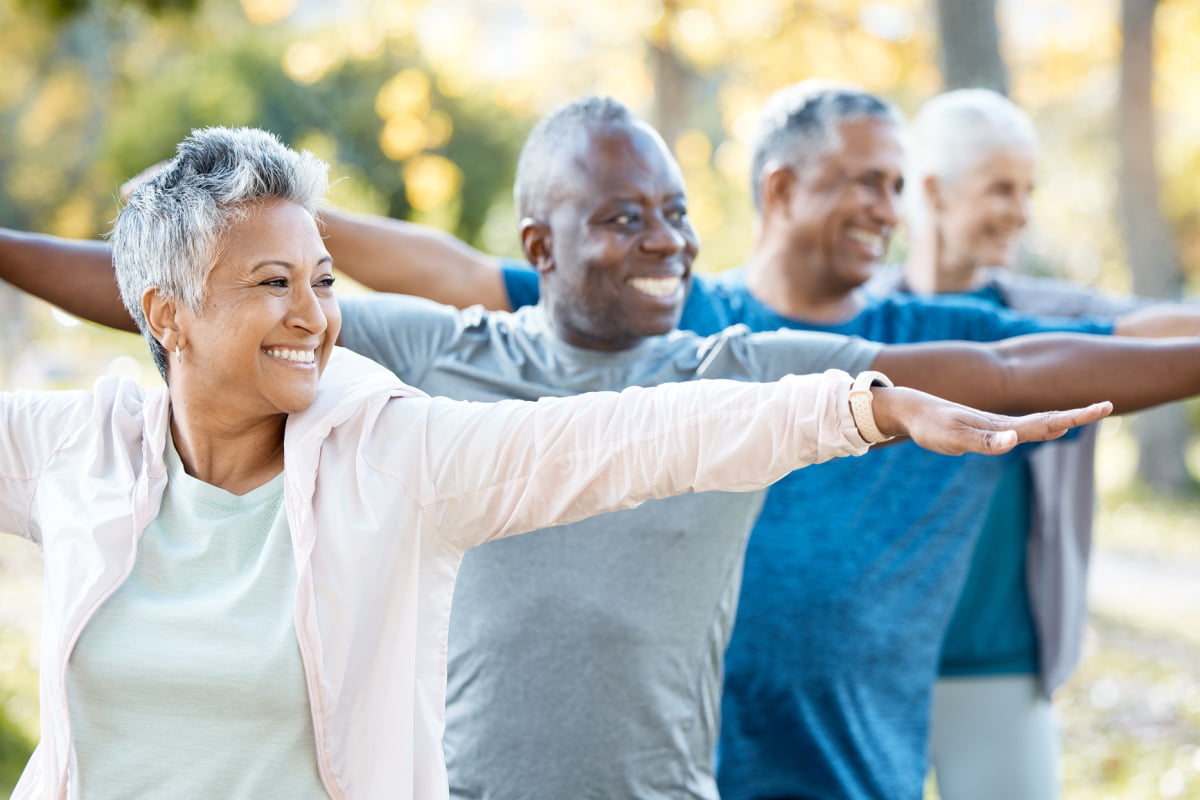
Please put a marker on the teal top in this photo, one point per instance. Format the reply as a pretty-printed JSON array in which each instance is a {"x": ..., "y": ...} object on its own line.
[
  {"x": 188, "y": 681},
  {"x": 992, "y": 631}
]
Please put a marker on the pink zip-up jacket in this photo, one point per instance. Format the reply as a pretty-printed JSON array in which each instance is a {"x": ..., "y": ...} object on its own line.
[{"x": 385, "y": 489}]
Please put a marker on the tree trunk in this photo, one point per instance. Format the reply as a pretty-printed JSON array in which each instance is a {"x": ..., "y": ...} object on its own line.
[
  {"x": 675, "y": 81},
  {"x": 1162, "y": 433},
  {"x": 970, "y": 41}
]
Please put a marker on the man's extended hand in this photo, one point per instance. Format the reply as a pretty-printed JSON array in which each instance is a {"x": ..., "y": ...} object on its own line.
[{"x": 953, "y": 429}]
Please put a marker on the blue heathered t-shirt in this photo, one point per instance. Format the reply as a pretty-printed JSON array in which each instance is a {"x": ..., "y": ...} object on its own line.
[{"x": 850, "y": 576}]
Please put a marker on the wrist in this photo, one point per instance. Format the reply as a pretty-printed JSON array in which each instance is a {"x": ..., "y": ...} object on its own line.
[{"x": 874, "y": 423}]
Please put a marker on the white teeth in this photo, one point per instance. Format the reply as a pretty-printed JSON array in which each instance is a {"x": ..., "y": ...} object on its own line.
[
  {"x": 298, "y": 356},
  {"x": 872, "y": 241},
  {"x": 656, "y": 287}
]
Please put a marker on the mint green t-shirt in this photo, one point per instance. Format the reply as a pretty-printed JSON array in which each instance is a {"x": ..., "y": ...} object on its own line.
[{"x": 188, "y": 681}]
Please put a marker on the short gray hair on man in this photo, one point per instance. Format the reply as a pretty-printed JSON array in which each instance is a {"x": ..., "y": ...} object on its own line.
[
  {"x": 168, "y": 235},
  {"x": 801, "y": 122},
  {"x": 550, "y": 141},
  {"x": 954, "y": 132}
]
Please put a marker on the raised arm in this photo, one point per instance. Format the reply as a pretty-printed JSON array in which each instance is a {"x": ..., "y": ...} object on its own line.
[
  {"x": 390, "y": 255},
  {"x": 1049, "y": 370},
  {"x": 562, "y": 459},
  {"x": 75, "y": 275},
  {"x": 1160, "y": 320}
]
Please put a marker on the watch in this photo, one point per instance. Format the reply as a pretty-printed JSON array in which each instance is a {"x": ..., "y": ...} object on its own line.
[{"x": 860, "y": 405}]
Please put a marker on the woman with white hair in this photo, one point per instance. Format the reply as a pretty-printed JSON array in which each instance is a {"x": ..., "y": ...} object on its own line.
[
  {"x": 1016, "y": 631},
  {"x": 249, "y": 570}
]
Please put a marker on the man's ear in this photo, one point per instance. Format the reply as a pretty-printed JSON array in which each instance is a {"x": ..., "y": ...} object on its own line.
[
  {"x": 538, "y": 245},
  {"x": 776, "y": 187},
  {"x": 161, "y": 318}
]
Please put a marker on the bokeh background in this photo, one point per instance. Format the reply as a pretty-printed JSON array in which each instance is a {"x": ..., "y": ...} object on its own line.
[{"x": 421, "y": 108}]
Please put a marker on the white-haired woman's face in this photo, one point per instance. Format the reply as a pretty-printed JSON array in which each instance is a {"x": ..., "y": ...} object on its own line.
[{"x": 981, "y": 216}]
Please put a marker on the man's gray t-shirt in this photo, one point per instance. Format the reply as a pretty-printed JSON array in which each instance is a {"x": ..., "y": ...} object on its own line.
[{"x": 585, "y": 662}]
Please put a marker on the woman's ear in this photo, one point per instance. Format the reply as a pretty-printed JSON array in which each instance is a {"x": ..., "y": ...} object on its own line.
[
  {"x": 935, "y": 194},
  {"x": 161, "y": 318},
  {"x": 537, "y": 244}
]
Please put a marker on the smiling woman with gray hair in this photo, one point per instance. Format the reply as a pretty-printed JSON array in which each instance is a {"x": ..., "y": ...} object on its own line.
[{"x": 249, "y": 570}]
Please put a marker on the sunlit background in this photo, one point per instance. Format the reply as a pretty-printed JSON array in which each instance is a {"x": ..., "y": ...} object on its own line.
[{"x": 421, "y": 108}]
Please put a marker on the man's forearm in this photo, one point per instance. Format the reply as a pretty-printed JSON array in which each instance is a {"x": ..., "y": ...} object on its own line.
[
  {"x": 390, "y": 255},
  {"x": 75, "y": 275},
  {"x": 1052, "y": 370},
  {"x": 1161, "y": 320}
]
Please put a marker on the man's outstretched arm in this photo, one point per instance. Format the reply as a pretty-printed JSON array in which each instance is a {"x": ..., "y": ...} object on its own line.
[
  {"x": 75, "y": 275},
  {"x": 383, "y": 254},
  {"x": 1049, "y": 370},
  {"x": 1160, "y": 320},
  {"x": 390, "y": 255}
]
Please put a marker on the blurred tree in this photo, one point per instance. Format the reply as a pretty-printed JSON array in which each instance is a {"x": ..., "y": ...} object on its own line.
[
  {"x": 970, "y": 45},
  {"x": 1162, "y": 433},
  {"x": 15, "y": 749},
  {"x": 67, "y": 9},
  {"x": 676, "y": 81}
]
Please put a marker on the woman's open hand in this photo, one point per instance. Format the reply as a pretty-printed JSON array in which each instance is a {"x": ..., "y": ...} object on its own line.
[{"x": 953, "y": 429}]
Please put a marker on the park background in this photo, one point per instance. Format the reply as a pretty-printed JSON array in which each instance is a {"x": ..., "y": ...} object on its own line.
[{"x": 421, "y": 107}]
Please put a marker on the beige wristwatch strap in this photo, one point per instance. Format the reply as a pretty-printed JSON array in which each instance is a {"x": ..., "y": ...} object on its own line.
[{"x": 860, "y": 405}]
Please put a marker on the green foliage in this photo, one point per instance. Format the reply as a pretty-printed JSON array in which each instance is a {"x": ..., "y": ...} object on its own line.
[
  {"x": 18, "y": 686},
  {"x": 121, "y": 92},
  {"x": 15, "y": 749},
  {"x": 63, "y": 10}
]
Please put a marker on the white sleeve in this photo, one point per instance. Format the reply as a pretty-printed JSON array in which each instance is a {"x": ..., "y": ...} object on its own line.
[
  {"x": 486, "y": 470},
  {"x": 32, "y": 427}
]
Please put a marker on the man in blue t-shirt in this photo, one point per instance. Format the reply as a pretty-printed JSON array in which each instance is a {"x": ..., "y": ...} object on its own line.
[{"x": 617, "y": 279}]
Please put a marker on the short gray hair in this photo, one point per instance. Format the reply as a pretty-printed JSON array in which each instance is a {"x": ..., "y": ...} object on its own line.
[
  {"x": 549, "y": 142},
  {"x": 168, "y": 235},
  {"x": 801, "y": 122},
  {"x": 954, "y": 132}
]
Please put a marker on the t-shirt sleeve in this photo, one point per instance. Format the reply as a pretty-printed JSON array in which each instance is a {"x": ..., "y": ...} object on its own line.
[
  {"x": 521, "y": 283},
  {"x": 768, "y": 356},
  {"x": 405, "y": 334}
]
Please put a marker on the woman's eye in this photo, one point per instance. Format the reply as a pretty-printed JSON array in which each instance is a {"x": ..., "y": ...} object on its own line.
[
  {"x": 625, "y": 219},
  {"x": 280, "y": 283},
  {"x": 677, "y": 214},
  {"x": 326, "y": 282}
]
